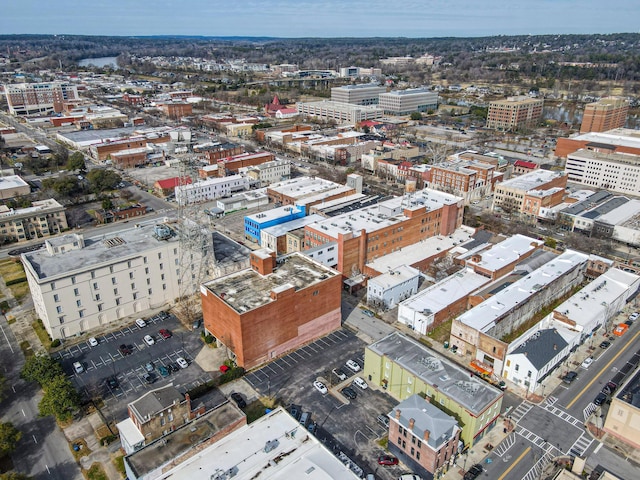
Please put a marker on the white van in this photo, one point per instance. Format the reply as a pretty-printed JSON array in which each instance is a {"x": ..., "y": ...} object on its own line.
[{"x": 77, "y": 366}]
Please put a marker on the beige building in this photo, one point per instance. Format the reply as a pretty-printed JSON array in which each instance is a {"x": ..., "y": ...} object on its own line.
[
  {"x": 510, "y": 195},
  {"x": 623, "y": 418},
  {"x": 78, "y": 285},
  {"x": 514, "y": 112},
  {"x": 606, "y": 114},
  {"x": 42, "y": 218},
  {"x": 13, "y": 186},
  {"x": 361, "y": 94},
  {"x": 340, "y": 112}
]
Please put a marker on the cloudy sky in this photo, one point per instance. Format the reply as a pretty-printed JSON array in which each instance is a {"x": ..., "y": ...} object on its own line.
[{"x": 319, "y": 18}]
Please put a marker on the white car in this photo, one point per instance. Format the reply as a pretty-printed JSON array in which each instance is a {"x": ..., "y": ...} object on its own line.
[
  {"x": 353, "y": 366},
  {"x": 77, "y": 366},
  {"x": 182, "y": 362},
  {"x": 587, "y": 362},
  {"x": 634, "y": 316},
  {"x": 93, "y": 342},
  {"x": 359, "y": 381},
  {"x": 141, "y": 323},
  {"x": 148, "y": 339},
  {"x": 320, "y": 387}
]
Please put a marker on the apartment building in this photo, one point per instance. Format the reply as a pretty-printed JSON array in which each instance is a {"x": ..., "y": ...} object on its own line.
[
  {"x": 405, "y": 102},
  {"x": 368, "y": 233},
  {"x": 616, "y": 172},
  {"x": 210, "y": 189},
  {"x": 514, "y": 112},
  {"x": 176, "y": 110},
  {"x": 41, "y": 219},
  {"x": 422, "y": 436},
  {"x": 605, "y": 114},
  {"x": 404, "y": 367},
  {"x": 340, "y": 112},
  {"x": 39, "y": 98},
  {"x": 269, "y": 172},
  {"x": 510, "y": 195},
  {"x": 81, "y": 284},
  {"x": 469, "y": 179},
  {"x": 360, "y": 94},
  {"x": 273, "y": 307}
]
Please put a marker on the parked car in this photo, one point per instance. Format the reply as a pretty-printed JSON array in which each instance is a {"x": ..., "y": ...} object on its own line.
[
  {"x": 600, "y": 399},
  {"x": 338, "y": 372},
  {"x": 609, "y": 388},
  {"x": 124, "y": 350},
  {"x": 570, "y": 377},
  {"x": 321, "y": 387},
  {"x": 148, "y": 339},
  {"x": 93, "y": 341},
  {"x": 164, "y": 333},
  {"x": 349, "y": 392},
  {"x": 305, "y": 418},
  {"x": 587, "y": 362},
  {"x": 149, "y": 367},
  {"x": 384, "y": 419},
  {"x": 149, "y": 378},
  {"x": 387, "y": 460},
  {"x": 605, "y": 344},
  {"x": 634, "y": 316},
  {"x": 409, "y": 476},
  {"x": 313, "y": 427},
  {"x": 173, "y": 367},
  {"x": 295, "y": 411},
  {"x": 628, "y": 323},
  {"x": 77, "y": 367},
  {"x": 164, "y": 371},
  {"x": 359, "y": 381},
  {"x": 182, "y": 362},
  {"x": 141, "y": 323},
  {"x": 368, "y": 313},
  {"x": 113, "y": 383},
  {"x": 236, "y": 397},
  {"x": 352, "y": 365},
  {"x": 473, "y": 472}
]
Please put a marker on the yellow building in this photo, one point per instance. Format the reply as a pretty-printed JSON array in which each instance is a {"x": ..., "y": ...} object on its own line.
[
  {"x": 623, "y": 418},
  {"x": 403, "y": 367}
]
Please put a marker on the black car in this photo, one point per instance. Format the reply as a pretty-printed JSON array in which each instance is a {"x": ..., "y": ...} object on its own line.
[
  {"x": 296, "y": 412},
  {"x": 605, "y": 344},
  {"x": 236, "y": 397},
  {"x": 349, "y": 392},
  {"x": 112, "y": 382},
  {"x": 609, "y": 388},
  {"x": 569, "y": 377},
  {"x": 600, "y": 399},
  {"x": 124, "y": 350},
  {"x": 173, "y": 367},
  {"x": 473, "y": 472},
  {"x": 313, "y": 427},
  {"x": 149, "y": 378}
]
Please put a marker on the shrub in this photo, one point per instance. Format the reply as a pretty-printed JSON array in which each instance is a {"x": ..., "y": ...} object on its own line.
[
  {"x": 15, "y": 281},
  {"x": 208, "y": 339},
  {"x": 55, "y": 343}
]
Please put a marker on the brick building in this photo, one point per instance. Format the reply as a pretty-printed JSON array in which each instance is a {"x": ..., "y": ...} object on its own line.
[
  {"x": 469, "y": 179},
  {"x": 39, "y": 98},
  {"x": 307, "y": 191},
  {"x": 422, "y": 436},
  {"x": 520, "y": 167},
  {"x": 217, "y": 151},
  {"x": 176, "y": 110},
  {"x": 620, "y": 140},
  {"x": 232, "y": 164},
  {"x": 104, "y": 151},
  {"x": 605, "y": 114},
  {"x": 271, "y": 308},
  {"x": 120, "y": 213},
  {"x": 514, "y": 112},
  {"x": 371, "y": 232},
  {"x": 510, "y": 195}
]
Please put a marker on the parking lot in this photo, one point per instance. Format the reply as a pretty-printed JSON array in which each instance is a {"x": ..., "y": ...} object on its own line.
[
  {"x": 104, "y": 362},
  {"x": 348, "y": 425}
]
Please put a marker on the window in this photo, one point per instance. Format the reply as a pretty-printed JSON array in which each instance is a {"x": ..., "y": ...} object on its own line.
[
  {"x": 162, "y": 276},
  {"x": 53, "y": 285},
  {"x": 144, "y": 259},
  {"x": 58, "y": 309},
  {"x": 164, "y": 286},
  {"x": 81, "y": 313},
  {"x": 146, "y": 270},
  {"x": 93, "y": 274},
  {"x": 56, "y": 298},
  {"x": 111, "y": 269},
  {"x": 78, "y": 303},
  {"x": 159, "y": 255},
  {"x": 148, "y": 281},
  {"x": 135, "y": 295},
  {"x": 115, "y": 291},
  {"x": 133, "y": 286},
  {"x": 150, "y": 291},
  {"x": 95, "y": 286},
  {"x": 413, "y": 451},
  {"x": 399, "y": 440},
  {"x": 76, "y": 292},
  {"x": 517, "y": 367},
  {"x": 316, "y": 292},
  {"x": 61, "y": 319},
  {"x": 73, "y": 280},
  {"x": 417, "y": 455},
  {"x": 161, "y": 266},
  {"x": 100, "y": 307},
  {"x": 113, "y": 281},
  {"x": 97, "y": 297},
  {"x": 130, "y": 275},
  {"x": 117, "y": 301},
  {"x": 129, "y": 264},
  {"x": 419, "y": 443}
]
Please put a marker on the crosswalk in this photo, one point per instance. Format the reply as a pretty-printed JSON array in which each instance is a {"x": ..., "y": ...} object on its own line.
[
  {"x": 536, "y": 471},
  {"x": 581, "y": 445},
  {"x": 530, "y": 436},
  {"x": 564, "y": 415},
  {"x": 505, "y": 445},
  {"x": 520, "y": 411},
  {"x": 588, "y": 410}
]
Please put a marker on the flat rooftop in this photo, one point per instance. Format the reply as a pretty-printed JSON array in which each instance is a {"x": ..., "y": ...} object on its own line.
[
  {"x": 455, "y": 382},
  {"x": 101, "y": 249},
  {"x": 299, "y": 188},
  {"x": 275, "y": 447},
  {"x": 274, "y": 214},
  {"x": 246, "y": 290},
  {"x": 427, "y": 248},
  {"x": 183, "y": 440},
  {"x": 626, "y": 214},
  {"x": 531, "y": 180},
  {"x": 441, "y": 295},
  {"x": 485, "y": 316},
  {"x": 12, "y": 181},
  {"x": 400, "y": 274},
  {"x": 283, "y": 228},
  {"x": 506, "y": 252},
  {"x": 384, "y": 214},
  {"x": 319, "y": 197},
  {"x": 37, "y": 206},
  {"x": 624, "y": 137}
]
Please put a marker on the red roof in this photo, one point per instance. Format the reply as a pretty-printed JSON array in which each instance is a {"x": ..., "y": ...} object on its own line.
[
  {"x": 168, "y": 183},
  {"x": 369, "y": 123},
  {"x": 525, "y": 164}
]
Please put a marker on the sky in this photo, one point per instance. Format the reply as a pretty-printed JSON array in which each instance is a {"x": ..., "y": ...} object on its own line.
[{"x": 319, "y": 18}]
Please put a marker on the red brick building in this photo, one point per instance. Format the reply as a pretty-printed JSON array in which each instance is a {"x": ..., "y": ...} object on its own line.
[
  {"x": 273, "y": 307},
  {"x": 168, "y": 186},
  {"x": 103, "y": 151},
  {"x": 605, "y": 114},
  {"x": 520, "y": 167},
  {"x": 231, "y": 165},
  {"x": 176, "y": 109},
  {"x": 422, "y": 436}
]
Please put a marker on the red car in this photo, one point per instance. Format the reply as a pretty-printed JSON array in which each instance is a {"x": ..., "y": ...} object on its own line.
[
  {"x": 164, "y": 333},
  {"x": 387, "y": 460}
]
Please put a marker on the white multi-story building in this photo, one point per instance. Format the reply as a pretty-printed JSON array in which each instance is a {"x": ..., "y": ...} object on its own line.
[
  {"x": 340, "y": 112},
  {"x": 404, "y": 102},
  {"x": 39, "y": 98},
  {"x": 617, "y": 172},
  {"x": 269, "y": 172},
  {"x": 362, "y": 94},
  {"x": 391, "y": 288},
  {"x": 211, "y": 189},
  {"x": 42, "y": 218},
  {"x": 78, "y": 285}
]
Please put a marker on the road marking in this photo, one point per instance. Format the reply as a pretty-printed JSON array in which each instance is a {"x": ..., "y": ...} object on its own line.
[
  {"x": 6, "y": 338},
  {"x": 47, "y": 467},
  {"x": 593, "y": 380},
  {"x": 23, "y": 414},
  {"x": 34, "y": 438},
  {"x": 522, "y": 455},
  {"x": 598, "y": 448}
]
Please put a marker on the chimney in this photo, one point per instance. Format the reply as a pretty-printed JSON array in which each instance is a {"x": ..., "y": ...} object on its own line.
[
  {"x": 425, "y": 437},
  {"x": 398, "y": 412},
  {"x": 411, "y": 423},
  {"x": 555, "y": 347}
]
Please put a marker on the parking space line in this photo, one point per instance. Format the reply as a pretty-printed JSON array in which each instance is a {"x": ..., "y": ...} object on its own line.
[
  {"x": 267, "y": 366},
  {"x": 323, "y": 341},
  {"x": 296, "y": 353},
  {"x": 288, "y": 364},
  {"x": 311, "y": 347}
]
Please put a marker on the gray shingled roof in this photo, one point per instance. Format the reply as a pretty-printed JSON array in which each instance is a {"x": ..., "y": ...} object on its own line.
[
  {"x": 541, "y": 350},
  {"x": 155, "y": 401}
]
